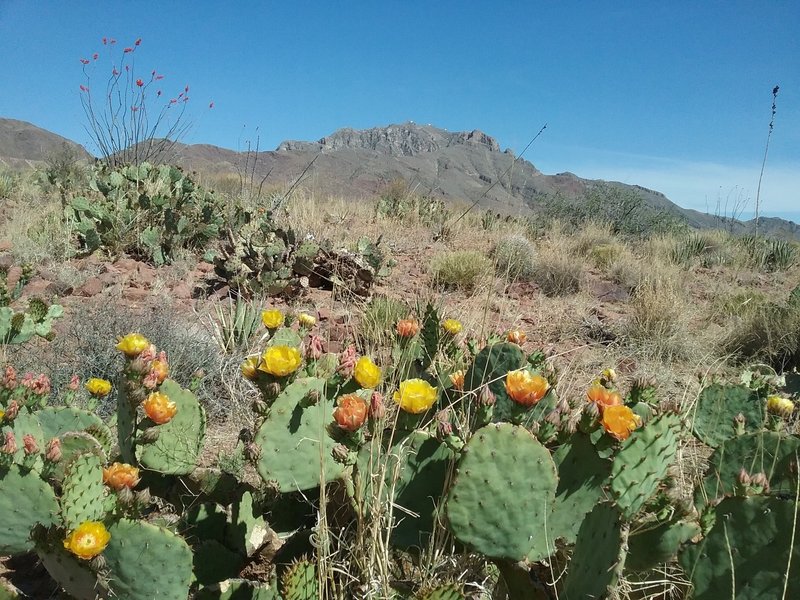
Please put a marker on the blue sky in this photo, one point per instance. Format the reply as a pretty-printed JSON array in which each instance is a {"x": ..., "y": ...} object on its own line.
[{"x": 674, "y": 96}]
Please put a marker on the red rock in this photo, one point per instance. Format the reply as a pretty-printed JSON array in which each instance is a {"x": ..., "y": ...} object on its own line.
[
  {"x": 91, "y": 287},
  {"x": 135, "y": 294},
  {"x": 182, "y": 291},
  {"x": 204, "y": 267}
]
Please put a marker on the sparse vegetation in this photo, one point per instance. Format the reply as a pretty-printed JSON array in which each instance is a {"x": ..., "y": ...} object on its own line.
[
  {"x": 514, "y": 258},
  {"x": 460, "y": 270}
]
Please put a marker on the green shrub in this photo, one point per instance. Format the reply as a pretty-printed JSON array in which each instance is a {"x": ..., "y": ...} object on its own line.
[
  {"x": 379, "y": 319},
  {"x": 7, "y": 185},
  {"x": 459, "y": 270},
  {"x": 604, "y": 255},
  {"x": 513, "y": 258},
  {"x": 767, "y": 254}
]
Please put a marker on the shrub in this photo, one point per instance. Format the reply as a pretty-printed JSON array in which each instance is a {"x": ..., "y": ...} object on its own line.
[
  {"x": 379, "y": 319},
  {"x": 459, "y": 270},
  {"x": 768, "y": 254},
  {"x": 7, "y": 185},
  {"x": 558, "y": 274},
  {"x": 513, "y": 258},
  {"x": 657, "y": 322}
]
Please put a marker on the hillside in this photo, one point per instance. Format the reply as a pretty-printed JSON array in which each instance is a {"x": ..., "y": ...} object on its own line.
[{"x": 358, "y": 164}]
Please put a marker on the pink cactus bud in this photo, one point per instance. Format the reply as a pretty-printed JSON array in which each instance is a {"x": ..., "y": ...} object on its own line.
[
  {"x": 10, "y": 378},
  {"x": 314, "y": 349},
  {"x": 12, "y": 410},
  {"x": 74, "y": 383},
  {"x": 10, "y": 446},
  {"x": 29, "y": 444},
  {"x": 53, "y": 451},
  {"x": 347, "y": 361},
  {"x": 376, "y": 408}
]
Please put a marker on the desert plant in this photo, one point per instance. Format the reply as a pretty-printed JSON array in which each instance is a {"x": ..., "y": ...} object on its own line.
[
  {"x": 767, "y": 254},
  {"x": 556, "y": 273},
  {"x": 459, "y": 270},
  {"x": 8, "y": 184},
  {"x": 657, "y": 323},
  {"x": 514, "y": 258}
]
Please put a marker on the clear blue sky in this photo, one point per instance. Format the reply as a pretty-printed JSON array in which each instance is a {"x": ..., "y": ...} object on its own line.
[{"x": 672, "y": 95}]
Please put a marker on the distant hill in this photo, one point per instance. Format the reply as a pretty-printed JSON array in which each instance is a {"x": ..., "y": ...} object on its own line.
[
  {"x": 23, "y": 144},
  {"x": 358, "y": 164}
]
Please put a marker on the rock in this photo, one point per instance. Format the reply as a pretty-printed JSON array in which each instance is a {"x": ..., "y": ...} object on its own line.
[
  {"x": 91, "y": 287},
  {"x": 5, "y": 245},
  {"x": 204, "y": 267},
  {"x": 182, "y": 291},
  {"x": 608, "y": 291},
  {"x": 135, "y": 294}
]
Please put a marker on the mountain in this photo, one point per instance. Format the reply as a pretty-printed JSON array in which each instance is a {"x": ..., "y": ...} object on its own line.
[
  {"x": 23, "y": 144},
  {"x": 359, "y": 164}
]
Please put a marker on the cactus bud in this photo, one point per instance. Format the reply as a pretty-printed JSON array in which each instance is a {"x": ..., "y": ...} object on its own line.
[
  {"x": 29, "y": 444},
  {"x": 443, "y": 426},
  {"x": 271, "y": 391},
  {"x": 738, "y": 424},
  {"x": 150, "y": 435},
  {"x": 10, "y": 445},
  {"x": 591, "y": 410},
  {"x": 98, "y": 563},
  {"x": 759, "y": 480},
  {"x": 126, "y": 496},
  {"x": 311, "y": 398},
  {"x": 314, "y": 348},
  {"x": 12, "y": 410},
  {"x": 744, "y": 477},
  {"x": 260, "y": 407},
  {"x": 486, "y": 396},
  {"x": 340, "y": 453},
  {"x": 143, "y": 497},
  {"x": 553, "y": 418},
  {"x": 53, "y": 452},
  {"x": 376, "y": 408}
]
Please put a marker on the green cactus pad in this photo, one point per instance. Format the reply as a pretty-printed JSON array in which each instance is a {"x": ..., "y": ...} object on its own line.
[
  {"x": 289, "y": 439},
  {"x": 450, "y": 591},
  {"x": 203, "y": 522},
  {"x": 582, "y": 474},
  {"x": 766, "y": 452},
  {"x": 285, "y": 337},
  {"x": 74, "y": 445},
  {"x": 748, "y": 552},
  {"x": 503, "y": 493},
  {"x": 490, "y": 368},
  {"x": 56, "y": 421},
  {"x": 248, "y": 530},
  {"x": 72, "y": 574},
  {"x": 126, "y": 423},
  {"x": 180, "y": 440},
  {"x": 239, "y": 589},
  {"x": 416, "y": 470},
  {"x": 717, "y": 407},
  {"x": 25, "y": 501},
  {"x": 147, "y": 562},
  {"x": 656, "y": 545},
  {"x": 299, "y": 581},
  {"x": 642, "y": 463},
  {"x": 25, "y": 423},
  {"x": 591, "y": 571},
  {"x": 82, "y": 491}
]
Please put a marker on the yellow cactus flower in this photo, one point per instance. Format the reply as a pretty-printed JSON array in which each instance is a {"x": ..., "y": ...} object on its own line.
[
  {"x": 98, "y": 387},
  {"x": 280, "y": 361},
  {"x": 159, "y": 408},
  {"x": 457, "y": 379},
  {"x": 415, "y": 396},
  {"x": 367, "y": 373},
  {"x": 133, "y": 344},
  {"x": 121, "y": 475},
  {"x": 2, "y": 414},
  {"x": 88, "y": 540},
  {"x": 306, "y": 320},
  {"x": 777, "y": 405},
  {"x": 250, "y": 367},
  {"x": 619, "y": 421},
  {"x": 525, "y": 388},
  {"x": 609, "y": 375},
  {"x": 272, "y": 319},
  {"x": 452, "y": 326}
]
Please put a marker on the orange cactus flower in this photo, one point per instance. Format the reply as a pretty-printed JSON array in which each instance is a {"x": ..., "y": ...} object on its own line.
[
  {"x": 516, "y": 336},
  {"x": 159, "y": 408},
  {"x": 457, "y": 379},
  {"x": 88, "y": 540},
  {"x": 619, "y": 421},
  {"x": 407, "y": 328},
  {"x": 133, "y": 344},
  {"x": 603, "y": 397},
  {"x": 351, "y": 412},
  {"x": 525, "y": 388},
  {"x": 160, "y": 370},
  {"x": 121, "y": 475}
]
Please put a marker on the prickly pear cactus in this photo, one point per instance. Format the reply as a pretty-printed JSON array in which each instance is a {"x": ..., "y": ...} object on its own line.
[
  {"x": 717, "y": 409},
  {"x": 290, "y": 437},
  {"x": 147, "y": 562},
  {"x": 239, "y": 589},
  {"x": 658, "y": 544},
  {"x": 25, "y": 501},
  {"x": 642, "y": 463},
  {"x": 503, "y": 494},
  {"x": 450, "y": 591},
  {"x": 582, "y": 474},
  {"x": 177, "y": 443},
  {"x": 72, "y": 574},
  {"x": 768, "y": 452},
  {"x": 299, "y": 582},
  {"x": 490, "y": 368},
  {"x": 750, "y": 553},
  {"x": 83, "y": 493},
  {"x": 593, "y": 568}
]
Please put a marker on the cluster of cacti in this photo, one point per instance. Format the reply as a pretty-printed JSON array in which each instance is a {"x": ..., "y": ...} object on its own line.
[
  {"x": 147, "y": 211},
  {"x": 19, "y": 326},
  {"x": 475, "y": 445},
  {"x": 257, "y": 258}
]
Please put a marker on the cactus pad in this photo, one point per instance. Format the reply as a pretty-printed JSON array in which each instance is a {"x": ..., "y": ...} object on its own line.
[
  {"x": 717, "y": 408},
  {"x": 642, "y": 463},
  {"x": 503, "y": 493},
  {"x": 291, "y": 436},
  {"x": 490, "y": 368},
  {"x": 450, "y": 591},
  {"x": 180, "y": 440},
  {"x": 147, "y": 562},
  {"x": 581, "y": 477},
  {"x": 82, "y": 492},
  {"x": 238, "y": 589},
  {"x": 659, "y": 544},
  {"x": 591, "y": 570},
  {"x": 748, "y": 552},
  {"x": 25, "y": 501},
  {"x": 771, "y": 453},
  {"x": 299, "y": 582},
  {"x": 73, "y": 575}
]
